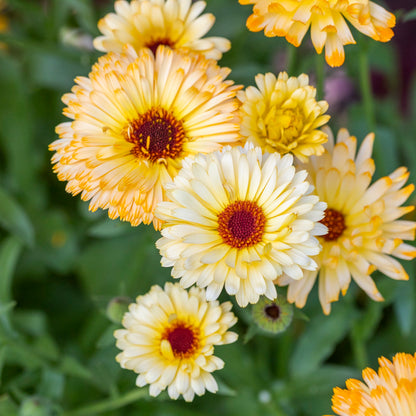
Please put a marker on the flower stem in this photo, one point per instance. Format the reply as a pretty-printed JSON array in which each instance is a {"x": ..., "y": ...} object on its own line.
[
  {"x": 320, "y": 76},
  {"x": 365, "y": 86},
  {"x": 109, "y": 405}
]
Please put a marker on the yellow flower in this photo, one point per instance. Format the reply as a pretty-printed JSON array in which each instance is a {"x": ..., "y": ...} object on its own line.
[
  {"x": 135, "y": 118},
  {"x": 363, "y": 226},
  {"x": 150, "y": 23},
  {"x": 238, "y": 218},
  {"x": 390, "y": 392},
  {"x": 169, "y": 340},
  {"x": 281, "y": 115},
  {"x": 326, "y": 18}
]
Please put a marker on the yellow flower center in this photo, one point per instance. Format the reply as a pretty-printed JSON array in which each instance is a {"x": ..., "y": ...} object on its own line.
[
  {"x": 156, "y": 135},
  {"x": 183, "y": 339},
  {"x": 241, "y": 224},
  {"x": 154, "y": 43},
  {"x": 283, "y": 127},
  {"x": 335, "y": 222}
]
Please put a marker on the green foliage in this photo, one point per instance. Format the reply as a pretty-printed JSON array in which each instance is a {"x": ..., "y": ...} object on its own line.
[{"x": 60, "y": 265}]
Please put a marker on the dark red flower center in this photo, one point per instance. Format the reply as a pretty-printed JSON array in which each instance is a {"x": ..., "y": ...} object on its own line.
[
  {"x": 154, "y": 43},
  {"x": 183, "y": 339},
  {"x": 156, "y": 135},
  {"x": 272, "y": 311},
  {"x": 241, "y": 224},
  {"x": 335, "y": 222}
]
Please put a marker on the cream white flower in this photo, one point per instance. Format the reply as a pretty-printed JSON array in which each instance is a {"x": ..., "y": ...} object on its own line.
[
  {"x": 237, "y": 219},
  {"x": 169, "y": 340}
]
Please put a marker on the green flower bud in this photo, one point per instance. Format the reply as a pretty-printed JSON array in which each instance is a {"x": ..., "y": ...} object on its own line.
[
  {"x": 272, "y": 316},
  {"x": 117, "y": 307}
]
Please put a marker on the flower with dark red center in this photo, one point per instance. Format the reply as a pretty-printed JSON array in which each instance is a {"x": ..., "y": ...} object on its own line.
[
  {"x": 364, "y": 229},
  {"x": 156, "y": 135},
  {"x": 134, "y": 120},
  {"x": 169, "y": 337},
  {"x": 237, "y": 219},
  {"x": 241, "y": 224},
  {"x": 183, "y": 339},
  {"x": 150, "y": 23}
]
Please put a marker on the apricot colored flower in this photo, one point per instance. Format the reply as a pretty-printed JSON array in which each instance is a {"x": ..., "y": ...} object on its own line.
[
  {"x": 389, "y": 392},
  {"x": 364, "y": 229},
  {"x": 150, "y": 23},
  {"x": 238, "y": 218},
  {"x": 169, "y": 337},
  {"x": 135, "y": 118},
  {"x": 326, "y": 18},
  {"x": 282, "y": 115}
]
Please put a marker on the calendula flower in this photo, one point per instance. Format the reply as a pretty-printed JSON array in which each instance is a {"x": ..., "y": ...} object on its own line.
[
  {"x": 150, "y": 23},
  {"x": 134, "y": 120},
  {"x": 364, "y": 230},
  {"x": 282, "y": 115},
  {"x": 326, "y": 18},
  {"x": 389, "y": 392},
  {"x": 237, "y": 219},
  {"x": 169, "y": 340}
]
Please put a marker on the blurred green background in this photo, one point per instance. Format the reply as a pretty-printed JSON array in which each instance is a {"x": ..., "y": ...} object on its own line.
[{"x": 60, "y": 265}]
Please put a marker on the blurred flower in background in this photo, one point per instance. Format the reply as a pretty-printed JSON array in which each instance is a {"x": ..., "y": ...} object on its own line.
[
  {"x": 150, "y": 23},
  {"x": 292, "y": 19},
  {"x": 390, "y": 391}
]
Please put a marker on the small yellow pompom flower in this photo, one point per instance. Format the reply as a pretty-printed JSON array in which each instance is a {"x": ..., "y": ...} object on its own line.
[
  {"x": 363, "y": 220},
  {"x": 282, "y": 115},
  {"x": 326, "y": 18},
  {"x": 169, "y": 337},
  {"x": 389, "y": 392},
  {"x": 134, "y": 119},
  {"x": 150, "y": 23}
]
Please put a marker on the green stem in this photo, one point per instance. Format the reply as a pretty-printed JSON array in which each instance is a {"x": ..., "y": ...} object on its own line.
[
  {"x": 291, "y": 59},
  {"x": 320, "y": 76},
  {"x": 109, "y": 405},
  {"x": 365, "y": 86}
]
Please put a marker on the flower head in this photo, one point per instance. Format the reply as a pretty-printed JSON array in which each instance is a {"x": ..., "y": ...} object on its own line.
[
  {"x": 391, "y": 391},
  {"x": 326, "y": 18},
  {"x": 150, "y": 23},
  {"x": 281, "y": 115},
  {"x": 237, "y": 219},
  {"x": 169, "y": 340},
  {"x": 134, "y": 120},
  {"x": 364, "y": 230}
]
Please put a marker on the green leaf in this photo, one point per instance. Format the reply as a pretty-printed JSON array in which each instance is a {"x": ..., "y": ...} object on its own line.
[
  {"x": 7, "y": 406},
  {"x": 404, "y": 305},
  {"x": 411, "y": 15},
  {"x": 9, "y": 253},
  {"x": 52, "y": 384},
  {"x": 320, "y": 338},
  {"x": 14, "y": 219}
]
